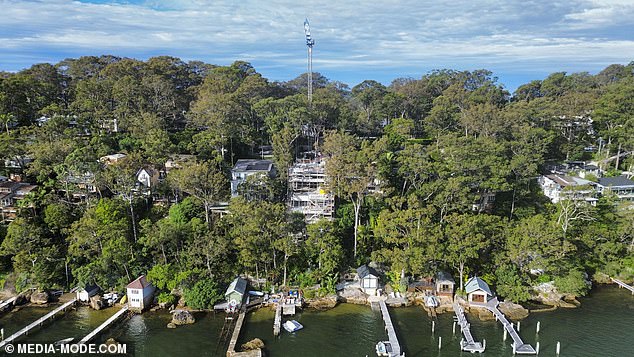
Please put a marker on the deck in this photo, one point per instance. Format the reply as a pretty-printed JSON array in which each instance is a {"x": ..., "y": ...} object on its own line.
[
  {"x": 468, "y": 344},
  {"x": 623, "y": 285},
  {"x": 104, "y": 325},
  {"x": 391, "y": 333},
  {"x": 277, "y": 323},
  {"x": 519, "y": 346},
  {"x": 36, "y": 323}
]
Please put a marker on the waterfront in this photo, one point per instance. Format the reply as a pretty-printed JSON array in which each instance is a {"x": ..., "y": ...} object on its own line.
[{"x": 601, "y": 327}]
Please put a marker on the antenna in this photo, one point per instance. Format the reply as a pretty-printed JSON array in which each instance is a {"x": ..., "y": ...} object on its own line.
[{"x": 310, "y": 43}]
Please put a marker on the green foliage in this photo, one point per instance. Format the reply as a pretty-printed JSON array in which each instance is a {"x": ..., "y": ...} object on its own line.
[
  {"x": 573, "y": 283},
  {"x": 203, "y": 295},
  {"x": 510, "y": 285}
]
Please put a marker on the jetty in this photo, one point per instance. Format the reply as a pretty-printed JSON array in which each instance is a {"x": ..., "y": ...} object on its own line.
[
  {"x": 277, "y": 323},
  {"x": 37, "y": 323},
  {"x": 468, "y": 343},
  {"x": 104, "y": 325},
  {"x": 623, "y": 285},
  {"x": 7, "y": 303},
  {"x": 391, "y": 333},
  {"x": 231, "y": 351},
  {"x": 518, "y": 345}
]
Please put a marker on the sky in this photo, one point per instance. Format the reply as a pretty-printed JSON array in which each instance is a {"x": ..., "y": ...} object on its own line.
[{"x": 355, "y": 40}]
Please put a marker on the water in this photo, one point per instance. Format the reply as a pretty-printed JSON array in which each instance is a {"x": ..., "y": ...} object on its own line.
[{"x": 603, "y": 326}]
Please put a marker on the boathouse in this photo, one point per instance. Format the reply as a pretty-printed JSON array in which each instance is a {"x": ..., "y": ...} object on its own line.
[
  {"x": 368, "y": 279},
  {"x": 140, "y": 294},
  {"x": 478, "y": 290},
  {"x": 87, "y": 292},
  {"x": 235, "y": 292},
  {"x": 445, "y": 284}
]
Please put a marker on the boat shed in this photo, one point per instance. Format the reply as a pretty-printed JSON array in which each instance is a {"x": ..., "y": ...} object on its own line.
[
  {"x": 368, "y": 279},
  {"x": 235, "y": 291},
  {"x": 87, "y": 292},
  {"x": 445, "y": 284},
  {"x": 478, "y": 290}
]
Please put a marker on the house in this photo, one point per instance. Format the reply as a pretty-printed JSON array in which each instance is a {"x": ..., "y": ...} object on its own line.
[
  {"x": 87, "y": 292},
  {"x": 245, "y": 168},
  {"x": 445, "y": 284},
  {"x": 478, "y": 291},
  {"x": 82, "y": 185},
  {"x": 620, "y": 186},
  {"x": 368, "y": 279},
  {"x": 308, "y": 193},
  {"x": 11, "y": 193},
  {"x": 140, "y": 294},
  {"x": 148, "y": 177},
  {"x": 236, "y": 291},
  {"x": 560, "y": 187},
  {"x": 176, "y": 161},
  {"x": 111, "y": 159}
]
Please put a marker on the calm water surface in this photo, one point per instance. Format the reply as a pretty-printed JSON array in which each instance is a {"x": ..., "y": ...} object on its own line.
[{"x": 603, "y": 326}]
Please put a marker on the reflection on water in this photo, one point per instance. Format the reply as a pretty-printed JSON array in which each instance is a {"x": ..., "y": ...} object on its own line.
[{"x": 603, "y": 326}]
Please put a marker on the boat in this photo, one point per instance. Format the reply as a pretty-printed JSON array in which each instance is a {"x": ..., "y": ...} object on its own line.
[
  {"x": 64, "y": 341},
  {"x": 292, "y": 326},
  {"x": 383, "y": 348},
  {"x": 256, "y": 293}
]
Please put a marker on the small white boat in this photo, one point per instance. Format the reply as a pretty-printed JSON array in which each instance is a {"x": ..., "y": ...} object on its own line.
[
  {"x": 64, "y": 341},
  {"x": 431, "y": 301},
  {"x": 383, "y": 348},
  {"x": 256, "y": 293},
  {"x": 292, "y": 326}
]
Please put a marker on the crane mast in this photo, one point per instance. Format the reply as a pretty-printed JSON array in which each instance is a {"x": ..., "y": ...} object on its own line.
[{"x": 310, "y": 43}]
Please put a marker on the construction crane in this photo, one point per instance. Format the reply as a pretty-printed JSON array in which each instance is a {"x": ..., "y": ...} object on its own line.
[{"x": 310, "y": 43}]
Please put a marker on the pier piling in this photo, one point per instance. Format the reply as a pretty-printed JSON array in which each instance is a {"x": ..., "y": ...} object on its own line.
[
  {"x": 433, "y": 326},
  {"x": 439, "y": 342},
  {"x": 558, "y": 348},
  {"x": 538, "y": 325},
  {"x": 454, "y": 328},
  {"x": 537, "y": 347}
]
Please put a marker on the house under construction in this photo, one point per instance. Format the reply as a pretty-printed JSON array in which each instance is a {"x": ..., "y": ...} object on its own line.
[{"x": 307, "y": 190}]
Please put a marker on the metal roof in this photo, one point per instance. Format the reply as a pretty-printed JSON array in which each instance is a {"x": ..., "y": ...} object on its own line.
[
  {"x": 238, "y": 285},
  {"x": 618, "y": 181},
  {"x": 476, "y": 283},
  {"x": 365, "y": 270}
]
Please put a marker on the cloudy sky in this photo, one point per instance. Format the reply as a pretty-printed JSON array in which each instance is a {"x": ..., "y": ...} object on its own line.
[{"x": 355, "y": 40}]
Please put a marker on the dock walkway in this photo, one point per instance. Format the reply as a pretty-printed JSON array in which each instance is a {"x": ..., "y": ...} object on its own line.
[
  {"x": 7, "y": 303},
  {"x": 231, "y": 351},
  {"x": 36, "y": 323},
  {"x": 277, "y": 324},
  {"x": 391, "y": 333},
  {"x": 468, "y": 344},
  {"x": 104, "y": 325},
  {"x": 624, "y": 285},
  {"x": 519, "y": 346}
]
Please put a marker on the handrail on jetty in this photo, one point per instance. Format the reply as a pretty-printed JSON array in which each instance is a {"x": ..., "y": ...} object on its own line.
[
  {"x": 469, "y": 344},
  {"x": 623, "y": 285},
  {"x": 104, "y": 325},
  {"x": 519, "y": 346},
  {"x": 391, "y": 333},
  {"x": 36, "y": 323}
]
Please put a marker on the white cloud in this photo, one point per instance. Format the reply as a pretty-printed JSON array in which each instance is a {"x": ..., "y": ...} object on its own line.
[{"x": 350, "y": 35}]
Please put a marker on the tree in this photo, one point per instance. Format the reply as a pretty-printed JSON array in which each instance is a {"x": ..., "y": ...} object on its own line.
[
  {"x": 203, "y": 295},
  {"x": 323, "y": 245},
  {"x": 204, "y": 180}
]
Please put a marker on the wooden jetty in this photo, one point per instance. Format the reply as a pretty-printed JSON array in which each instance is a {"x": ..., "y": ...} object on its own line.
[
  {"x": 104, "y": 325},
  {"x": 468, "y": 343},
  {"x": 623, "y": 285},
  {"x": 391, "y": 333},
  {"x": 36, "y": 323},
  {"x": 231, "y": 351},
  {"x": 277, "y": 323},
  {"x": 518, "y": 345},
  {"x": 7, "y": 303}
]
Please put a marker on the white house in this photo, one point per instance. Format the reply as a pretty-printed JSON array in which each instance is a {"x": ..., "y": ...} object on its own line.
[
  {"x": 444, "y": 284},
  {"x": 87, "y": 292},
  {"x": 111, "y": 159},
  {"x": 245, "y": 168},
  {"x": 560, "y": 187},
  {"x": 140, "y": 293},
  {"x": 478, "y": 290},
  {"x": 368, "y": 279}
]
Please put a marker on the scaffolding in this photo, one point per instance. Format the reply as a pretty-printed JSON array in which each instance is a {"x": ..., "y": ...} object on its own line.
[{"x": 307, "y": 190}]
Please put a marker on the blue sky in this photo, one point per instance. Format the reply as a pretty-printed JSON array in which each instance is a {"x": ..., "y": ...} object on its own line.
[{"x": 355, "y": 40}]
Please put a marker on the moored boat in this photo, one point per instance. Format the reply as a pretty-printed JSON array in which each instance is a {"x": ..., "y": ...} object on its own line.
[{"x": 292, "y": 326}]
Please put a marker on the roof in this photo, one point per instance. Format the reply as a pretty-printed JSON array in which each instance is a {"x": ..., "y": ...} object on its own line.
[
  {"x": 475, "y": 284},
  {"x": 365, "y": 270},
  {"x": 139, "y": 283},
  {"x": 444, "y": 276},
  {"x": 565, "y": 181},
  {"x": 246, "y": 165},
  {"x": 615, "y": 181},
  {"x": 238, "y": 285},
  {"x": 91, "y": 289}
]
